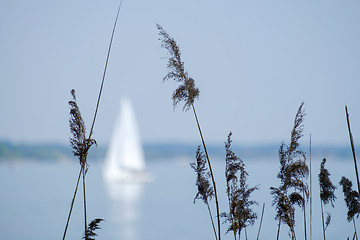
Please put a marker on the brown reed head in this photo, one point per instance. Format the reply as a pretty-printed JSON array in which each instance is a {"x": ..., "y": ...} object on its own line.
[{"x": 186, "y": 92}]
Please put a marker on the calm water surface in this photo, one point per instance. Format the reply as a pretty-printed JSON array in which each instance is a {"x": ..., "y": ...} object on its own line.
[{"x": 35, "y": 199}]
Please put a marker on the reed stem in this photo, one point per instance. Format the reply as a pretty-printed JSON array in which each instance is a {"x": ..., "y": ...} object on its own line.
[
  {"x": 322, "y": 218},
  {"x": 232, "y": 218},
  {"x": 304, "y": 210},
  {"x": 105, "y": 68},
  {"x": 355, "y": 233},
  {"x": 211, "y": 172},
  {"x": 231, "y": 215},
  {"x": 352, "y": 148},
  {"x": 85, "y": 218},
  {"x": 72, "y": 204},
  {"x": 262, "y": 215},
  {"x": 212, "y": 221},
  {"x": 278, "y": 231}
]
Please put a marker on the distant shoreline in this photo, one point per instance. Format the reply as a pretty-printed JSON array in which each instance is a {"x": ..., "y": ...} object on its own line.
[{"x": 159, "y": 151}]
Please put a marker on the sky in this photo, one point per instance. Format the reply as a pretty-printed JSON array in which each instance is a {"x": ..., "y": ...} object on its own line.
[{"x": 253, "y": 61}]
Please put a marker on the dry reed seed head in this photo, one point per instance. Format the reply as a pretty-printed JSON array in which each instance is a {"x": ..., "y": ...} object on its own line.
[
  {"x": 352, "y": 199},
  {"x": 79, "y": 143},
  {"x": 293, "y": 171},
  {"x": 296, "y": 132},
  {"x": 204, "y": 186},
  {"x": 233, "y": 163},
  {"x": 285, "y": 210},
  {"x": 90, "y": 232},
  {"x": 296, "y": 198},
  {"x": 240, "y": 213},
  {"x": 328, "y": 220},
  {"x": 327, "y": 189},
  {"x": 186, "y": 91}
]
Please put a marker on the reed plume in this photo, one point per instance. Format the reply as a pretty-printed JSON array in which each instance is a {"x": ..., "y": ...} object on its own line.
[
  {"x": 327, "y": 194},
  {"x": 352, "y": 148},
  {"x": 352, "y": 200},
  {"x": 80, "y": 145},
  {"x": 240, "y": 213},
  {"x": 293, "y": 170},
  {"x": 187, "y": 93},
  {"x": 90, "y": 232},
  {"x": 204, "y": 186},
  {"x": 79, "y": 142}
]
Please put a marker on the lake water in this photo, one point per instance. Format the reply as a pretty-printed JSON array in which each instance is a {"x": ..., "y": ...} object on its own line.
[{"x": 35, "y": 199}]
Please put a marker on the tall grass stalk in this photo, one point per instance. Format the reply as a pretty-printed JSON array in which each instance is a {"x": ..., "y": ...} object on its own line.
[
  {"x": 304, "y": 210},
  {"x": 261, "y": 219},
  {"x": 293, "y": 171},
  {"x": 210, "y": 169},
  {"x": 240, "y": 213},
  {"x": 84, "y": 193},
  {"x": 186, "y": 92},
  {"x": 322, "y": 218},
  {"x": 355, "y": 232},
  {"x": 352, "y": 148},
  {"x": 72, "y": 204},
  {"x": 83, "y": 165}
]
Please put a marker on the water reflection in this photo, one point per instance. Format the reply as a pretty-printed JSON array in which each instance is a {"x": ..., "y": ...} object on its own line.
[{"x": 125, "y": 199}]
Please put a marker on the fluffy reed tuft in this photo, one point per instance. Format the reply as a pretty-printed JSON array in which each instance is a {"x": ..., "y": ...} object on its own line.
[
  {"x": 90, "y": 232},
  {"x": 203, "y": 183},
  {"x": 293, "y": 170},
  {"x": 204, "y": 186},
  {"x": 240, "y": 213},
  {"x": 79, "y": 142},
  {"x": 351, "y": 197},
  {"x": 187, "y": 91},
  {"x": 327, "y": 189},
  {"x": 327, "y": 194}
]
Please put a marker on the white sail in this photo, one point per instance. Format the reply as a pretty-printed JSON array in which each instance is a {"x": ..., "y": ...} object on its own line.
[{"x": 125, "y": 157}]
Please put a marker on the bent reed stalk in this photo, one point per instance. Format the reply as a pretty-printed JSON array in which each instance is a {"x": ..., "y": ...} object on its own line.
[{"x": 83, "y": 166}]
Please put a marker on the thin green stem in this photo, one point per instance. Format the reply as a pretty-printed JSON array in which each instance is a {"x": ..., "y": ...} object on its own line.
[
  {"x": 352, "y": 148},
  {"x": 355, "y": 229},
  {"x": 212, "y": 221},
  {"x": 85, "y": 221},
  {"x": 72, "y": 204},
  {"x": 262, "y": 215},
  {"x": 304, "y": 210},
  {"x": 278, "y": 231},
  {"x": 322, "y": 218},
  {"x": 231, "y": 216},
  {"x": 104, "y": 74},
  {"x": 211, "y": 172}
]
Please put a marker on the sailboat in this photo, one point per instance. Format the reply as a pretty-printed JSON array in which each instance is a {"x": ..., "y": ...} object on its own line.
[{"x": 125, "y": 157}]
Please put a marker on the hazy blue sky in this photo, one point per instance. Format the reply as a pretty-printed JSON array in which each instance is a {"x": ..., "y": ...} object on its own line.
[{"x": 253, "y": 61}]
